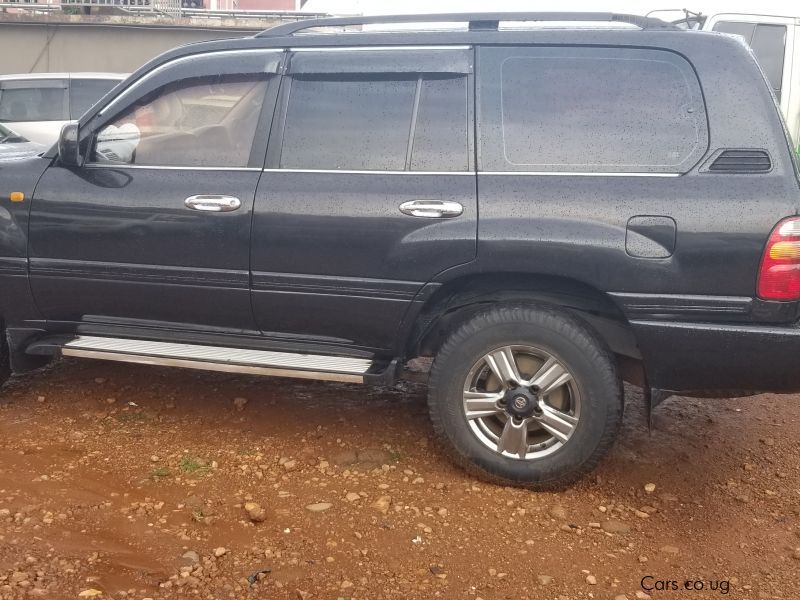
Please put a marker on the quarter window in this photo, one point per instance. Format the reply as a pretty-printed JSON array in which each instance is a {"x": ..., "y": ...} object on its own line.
[
  {"x": 768, "y": 42},
  {"x": 589, "y": 110},
  {"x": 204, "y": 121},
  {"x": 375, "y": 121}
]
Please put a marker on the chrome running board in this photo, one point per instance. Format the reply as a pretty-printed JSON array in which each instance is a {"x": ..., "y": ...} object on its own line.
[{"x": 217, "y": 358}]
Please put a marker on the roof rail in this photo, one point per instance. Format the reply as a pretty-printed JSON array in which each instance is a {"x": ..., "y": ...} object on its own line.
[{"x": 476, "y": 21}]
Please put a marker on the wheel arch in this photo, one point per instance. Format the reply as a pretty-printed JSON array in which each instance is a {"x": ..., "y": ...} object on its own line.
[{"x": 459, "y": 299}]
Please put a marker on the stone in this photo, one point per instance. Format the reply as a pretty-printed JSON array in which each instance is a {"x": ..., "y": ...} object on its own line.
[
  {"x": 382, "y": 504},
  {"x": 650, "y": 488},
  {"x": 620, "y": 597},
  {"x": 614, "y": 526},
  {"x": 90, "y": 593},
  {"x": 544, "y": 579},
  {"x": 240, "y": 403},
  {"x": 669, "y": 549},
  {"x": 290, "y": 465},
  {"x": 319, "y": 506},
  {"x": 255, "y": 512},
  {"x": 558, "y": 512},
  {"x": 221, "y": 551},
  {"x": 591, "y": 580},
  {"x": 191, "y": 556},
  {"x": 352, "y": 497},
  {"x": 640, "y": 595}
]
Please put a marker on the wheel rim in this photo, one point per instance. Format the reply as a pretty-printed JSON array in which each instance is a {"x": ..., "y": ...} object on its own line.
[{"x": 521, "y": 402}]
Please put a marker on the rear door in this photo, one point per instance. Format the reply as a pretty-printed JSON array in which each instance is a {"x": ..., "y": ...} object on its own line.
[{"x": 369, "y": 191}]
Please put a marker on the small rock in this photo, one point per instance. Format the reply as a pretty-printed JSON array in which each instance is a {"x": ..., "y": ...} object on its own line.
[
  {"x": 40, "y": 398},
  {"x": 319, "y": 506},
  {"x": 544, "y": 579},
  {"x": 99, "y": 379},
  {"x": 558, "y": 512},
  {"x": 796, "y": 554},
  {"x": 669, "y": 549},
  {"x": 154, "y": 458},
  {"x": 768, "y": 441},
  {"x": 346, "y": 584},
  {"x": 221, "y": 551},
  {"x": 613, "y": 526},
  {"x": 382, "y": 504},
  {"x": 640, "y": 595},
  {"x": 290, "y": 465},
  {"x": 239, "y": 403},
  {"x": 641, "y": 514},
  {"x": 352, "y": 497},
  {"x": 620, "y": 597},
  {"x": 301, "y": 595},
  {"x": 110, "y": 400},
  {"x": 90, "y": 593},
  {"x": 650, "y": 488},
  {"x": 591, "y": 580},
  {"x": 192, "y": 556},
  {"x": 18, "y": 576},
  {"x": 254, "y": 512},
  {"x": 344, "y": 458}
]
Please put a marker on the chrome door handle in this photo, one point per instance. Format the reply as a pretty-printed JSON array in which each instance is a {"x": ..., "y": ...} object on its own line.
[
  {"x": 432, "y": 209},
  {"x": 212, "y": 203}
]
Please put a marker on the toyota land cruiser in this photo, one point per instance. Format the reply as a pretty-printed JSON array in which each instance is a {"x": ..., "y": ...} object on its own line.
[{"x": 545, "y": 211}]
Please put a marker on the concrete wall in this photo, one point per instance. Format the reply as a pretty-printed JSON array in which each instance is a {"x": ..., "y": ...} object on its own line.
[{"x": 43, "y": 47}]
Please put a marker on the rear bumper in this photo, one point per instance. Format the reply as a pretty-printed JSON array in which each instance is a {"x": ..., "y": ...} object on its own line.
[{"x": 691, "y": 357}]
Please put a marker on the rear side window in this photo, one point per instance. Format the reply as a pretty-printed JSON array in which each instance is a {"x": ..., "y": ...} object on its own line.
[
  {"x": 376, "y": 121},
  {"x": 43, "y": 100},
  {"x": 84, "y": 93},
  {"x": 589, "y": 110},
  {"x": 768, "y": 42}
]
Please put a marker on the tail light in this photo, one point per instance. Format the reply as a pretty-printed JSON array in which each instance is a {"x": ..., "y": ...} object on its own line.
[{"x": 779, "y": 275}]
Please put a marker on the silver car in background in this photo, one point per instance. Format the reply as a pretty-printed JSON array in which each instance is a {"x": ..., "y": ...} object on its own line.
[{"x": 36, "y": 105}]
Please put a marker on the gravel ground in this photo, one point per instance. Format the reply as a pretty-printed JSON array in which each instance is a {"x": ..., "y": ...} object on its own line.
[{"x": 125, "y": 481}]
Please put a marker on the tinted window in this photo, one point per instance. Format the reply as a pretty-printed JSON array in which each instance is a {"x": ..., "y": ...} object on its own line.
[
  {"x": 205, "y": 121},
  {"x": 440, "y": 135},
  {"x": 33, "y": 101},
  {"x": 83, "y": 93},
  {"x": 768, "y": 43},
  {"x": 589, "y": 110},
  {"x": 369, "y": 122}
]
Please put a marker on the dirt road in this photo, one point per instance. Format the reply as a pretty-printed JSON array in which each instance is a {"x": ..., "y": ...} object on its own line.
[{"x": 123, "y": 481}]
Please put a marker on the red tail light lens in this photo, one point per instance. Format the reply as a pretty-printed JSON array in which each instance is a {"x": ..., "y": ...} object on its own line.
[{"x": 779, "y": 275}]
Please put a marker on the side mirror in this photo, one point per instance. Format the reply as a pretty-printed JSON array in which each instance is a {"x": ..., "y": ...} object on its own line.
[{"x": 68, "y": 152}]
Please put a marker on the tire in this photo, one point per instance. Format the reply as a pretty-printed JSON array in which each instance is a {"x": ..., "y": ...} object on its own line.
[{"x": 542, "y": 342}]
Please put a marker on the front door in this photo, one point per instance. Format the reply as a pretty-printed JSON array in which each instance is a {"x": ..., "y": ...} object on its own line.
[
  {"x": 154, "y": 229},
  {"x": 368, "y": 194}
]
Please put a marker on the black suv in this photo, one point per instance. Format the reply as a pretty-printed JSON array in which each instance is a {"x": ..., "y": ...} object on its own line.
[{"x": 545, "y": 211}]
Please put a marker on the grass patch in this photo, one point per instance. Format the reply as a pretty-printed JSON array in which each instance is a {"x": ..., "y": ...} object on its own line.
[
  {"x": 192, "y": 465},
  {"x": 159, "y": 473}
]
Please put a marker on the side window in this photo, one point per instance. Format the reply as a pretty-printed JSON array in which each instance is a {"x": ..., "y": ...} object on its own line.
[
  {"x": 39, "y": 100},
  {"x": 768, "y": 42},
  {"x": 83, "y": 93},
  {"x": 203, "y": 121},
  {"x": 589, "y": 110},
  {"x": 376, "y": 120}
]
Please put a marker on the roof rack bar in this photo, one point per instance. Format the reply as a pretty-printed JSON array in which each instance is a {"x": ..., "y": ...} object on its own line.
[{"x": 476, "y": 21}]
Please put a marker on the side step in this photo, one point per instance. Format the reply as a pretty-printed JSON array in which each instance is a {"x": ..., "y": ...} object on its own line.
[{"x": 231, "y": 360}]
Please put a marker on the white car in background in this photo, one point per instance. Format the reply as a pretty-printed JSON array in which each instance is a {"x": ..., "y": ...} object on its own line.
[
  {"x": 36, "y": 105},
  {"x": 13, "y": 146}
]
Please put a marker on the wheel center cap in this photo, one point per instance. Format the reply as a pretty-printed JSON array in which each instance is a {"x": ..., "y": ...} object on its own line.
[{"x": 521, "y": 402}]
